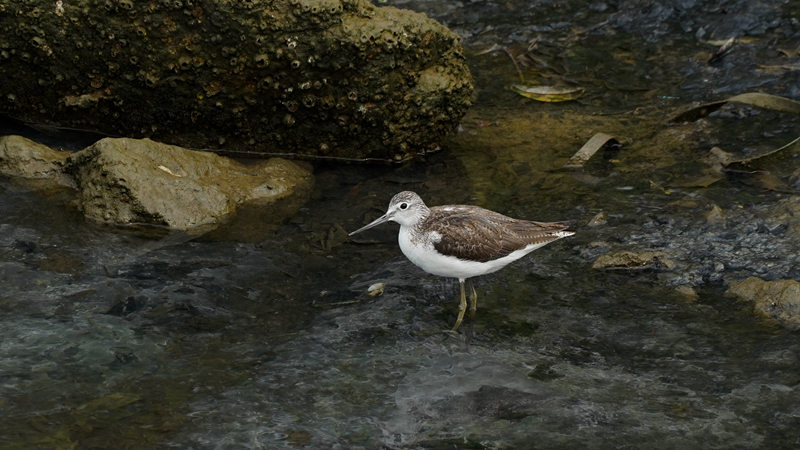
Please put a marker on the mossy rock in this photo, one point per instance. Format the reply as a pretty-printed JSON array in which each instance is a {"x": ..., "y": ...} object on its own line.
[{"x": 133, "y": 181}]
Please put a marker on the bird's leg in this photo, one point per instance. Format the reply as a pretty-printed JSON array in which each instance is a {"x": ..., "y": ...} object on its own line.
[
  {"x": 461, "y": 306},
  {"x": 473, "y": 299}
]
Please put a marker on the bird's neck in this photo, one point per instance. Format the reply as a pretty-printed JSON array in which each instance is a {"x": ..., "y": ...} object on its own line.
[{"x": 419, "y": 219}]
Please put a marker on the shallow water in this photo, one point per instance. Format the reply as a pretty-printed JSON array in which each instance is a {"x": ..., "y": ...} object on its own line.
[{"x": 141, "y": 338}]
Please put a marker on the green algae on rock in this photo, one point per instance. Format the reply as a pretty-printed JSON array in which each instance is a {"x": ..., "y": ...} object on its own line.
[{"x": 317, "y": 78}]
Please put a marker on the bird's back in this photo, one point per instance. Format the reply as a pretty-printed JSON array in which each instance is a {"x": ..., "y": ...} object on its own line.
[{"x": 477, "y": 234}]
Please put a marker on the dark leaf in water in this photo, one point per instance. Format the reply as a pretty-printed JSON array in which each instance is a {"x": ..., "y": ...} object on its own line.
[{"x": 758, "y": 99}]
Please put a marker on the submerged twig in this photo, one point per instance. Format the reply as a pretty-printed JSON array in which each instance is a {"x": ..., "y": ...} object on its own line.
[
  {"x": 531, "y": 46},
  {"x": 516, "y": 65}
]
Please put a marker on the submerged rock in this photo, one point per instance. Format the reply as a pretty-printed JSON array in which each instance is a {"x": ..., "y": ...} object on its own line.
[
  {"x": 21, "y": 157},
  {"x": 322, "y": 78},
  {"x": 130, "y": 181},
  {"x": 778, "y": 300},
  {"x": 627, "y": 260},
  {"x": 786, "y": 213},
  {"x": 687, "y": 292}
]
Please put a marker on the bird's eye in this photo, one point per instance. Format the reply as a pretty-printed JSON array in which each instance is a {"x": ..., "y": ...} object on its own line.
[{"x": 403, "y": 205}]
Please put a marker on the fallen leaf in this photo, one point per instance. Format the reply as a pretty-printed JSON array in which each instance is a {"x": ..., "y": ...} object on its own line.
[
  {"x": 758, "y": 99},
  {"x": 550, "y": 94},
  {"x": 588, "y": 149}
]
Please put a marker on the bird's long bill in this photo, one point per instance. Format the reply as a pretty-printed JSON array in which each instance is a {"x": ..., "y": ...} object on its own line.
[{"x": 378, "y": 221}]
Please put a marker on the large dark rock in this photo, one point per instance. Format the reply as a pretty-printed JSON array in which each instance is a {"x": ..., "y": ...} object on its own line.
[{"x": 326, "y": 78}]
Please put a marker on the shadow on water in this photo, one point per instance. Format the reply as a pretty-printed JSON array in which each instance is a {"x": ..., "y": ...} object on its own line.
[{"x": 131, "y": 339}]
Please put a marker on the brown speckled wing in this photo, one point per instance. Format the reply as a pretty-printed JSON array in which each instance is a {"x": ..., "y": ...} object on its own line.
[{"x": 477, "y": 234}]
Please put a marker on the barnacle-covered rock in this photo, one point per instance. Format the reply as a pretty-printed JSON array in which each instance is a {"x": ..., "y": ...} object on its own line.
[{"x": 324, "y": 78}]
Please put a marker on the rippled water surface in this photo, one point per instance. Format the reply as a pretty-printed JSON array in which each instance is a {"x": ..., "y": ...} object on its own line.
[{"x": 131, "y": 338}]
